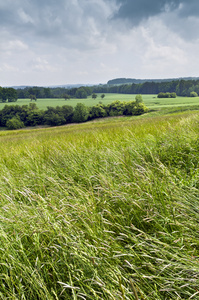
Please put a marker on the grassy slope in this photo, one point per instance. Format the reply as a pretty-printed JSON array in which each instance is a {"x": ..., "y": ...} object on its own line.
[
  {"x": 150, "y": 101},
  {"x": 102, "y": 210}
]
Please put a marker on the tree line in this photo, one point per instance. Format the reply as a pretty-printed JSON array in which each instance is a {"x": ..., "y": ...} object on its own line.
[
  {"x": 15, "y": 116},
  {"x": 58, "y": 92},
  {"x": 134, "y": 80},
  {"x": 180, "y": 87},
  {"x": 8, "y": 94}
]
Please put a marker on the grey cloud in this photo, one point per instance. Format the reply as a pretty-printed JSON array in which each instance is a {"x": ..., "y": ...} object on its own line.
[
  {"x": 180, "y": 16},
  {"x": 60, "y": 40},
  {"x": 66, "y": 22},
  {"x": 189, "y": 8},
  {"x": 136, "y": 11}
]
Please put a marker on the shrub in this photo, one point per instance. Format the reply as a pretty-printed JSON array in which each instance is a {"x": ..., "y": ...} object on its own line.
[
  {"x": 173, "y": 95},
  {"x": 167, "y": 95},
  {"x": 138, "y": 98},
  {"x": 34, "y": 117},
  {"x": 81, "y": 113},
  {"x": 139, "y": 109},
  {"x": 193, "y": 94},
  {"x": 14, "y": 123},
  {"x": 94, "y": 96},
  {"x": 98, "y": 111},
  {"x": 134, "y": 108},
  {"x": 116, "y": 108},
  {"x": 129, "y": 107}
]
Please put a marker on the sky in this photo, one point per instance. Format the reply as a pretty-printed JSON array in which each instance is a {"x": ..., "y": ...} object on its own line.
[{"x": 57, "y": 42}]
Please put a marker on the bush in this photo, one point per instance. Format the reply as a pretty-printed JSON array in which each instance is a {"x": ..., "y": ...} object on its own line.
[
  {"x": 138, "y": 98},
  {"x": 193, "y": 94},
  {"x": 173, "y": 95},
  {"x": 167, "y": 95},
  {"x": 129, "y": 107},
  {"x": 67, "y": 112},
  {"x": 98, "y": 111},
  {"x": 139, "y": 109},
  {"x": 134, "y": 109},
  {"x": 94, "y": 96},
  {"x": 34, "y": 117},
  {"x": 81, "y": 113},
  {"x": 15, "y": 116},
  {"x": 14, "y": 123},
  {"x": 116, "y": 108}
]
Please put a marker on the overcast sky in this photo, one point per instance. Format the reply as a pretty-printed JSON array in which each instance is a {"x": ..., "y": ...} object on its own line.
[{"x": 49, "y": 42}]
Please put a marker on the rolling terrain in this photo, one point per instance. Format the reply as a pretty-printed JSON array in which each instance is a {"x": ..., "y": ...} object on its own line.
[
  {"x": 107, "y": 209},
  {"x": 151, "y": 101}
]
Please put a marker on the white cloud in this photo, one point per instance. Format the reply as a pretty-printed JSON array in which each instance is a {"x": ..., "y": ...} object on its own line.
[
  {"x": 69, "y": 41},
  {"x": 25, "y": 18}
]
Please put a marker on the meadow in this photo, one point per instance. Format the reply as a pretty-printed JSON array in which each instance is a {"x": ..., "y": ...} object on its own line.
[
  {"x": 107, "y": 209},
  {"x": 151, "y": 101}
]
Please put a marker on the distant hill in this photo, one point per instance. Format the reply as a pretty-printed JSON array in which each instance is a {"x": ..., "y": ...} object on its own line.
[
  {"x": 133, "y": 80},
  {"x": 67, "y": 86}
]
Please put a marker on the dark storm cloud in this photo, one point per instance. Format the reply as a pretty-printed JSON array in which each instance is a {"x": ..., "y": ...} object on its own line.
[
  {"x": 38, "y": 16},
  {"x": 137, "y": 10},
  {"x": 189, "y": 8},
  {"x": 65, "y": 19},
  {"x": 82, "y": 39},
  {"x": 58, "y": 20}
]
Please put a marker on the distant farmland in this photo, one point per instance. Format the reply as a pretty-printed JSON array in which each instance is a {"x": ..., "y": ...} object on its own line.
[{"x": 151, "y": 101}]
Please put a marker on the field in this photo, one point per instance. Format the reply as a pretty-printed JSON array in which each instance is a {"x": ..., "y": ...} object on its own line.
[
  {"x": 107, "y": 209},
  {"x": 150, "y": 101}
]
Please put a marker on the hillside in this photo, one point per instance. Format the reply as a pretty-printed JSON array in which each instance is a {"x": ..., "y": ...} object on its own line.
[
  {"x": 133, "y": 80},
  {"x": 101, "y": 210}
]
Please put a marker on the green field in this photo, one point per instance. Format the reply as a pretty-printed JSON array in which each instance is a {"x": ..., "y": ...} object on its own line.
[
  {"x": 102, "y": 210},
  {"x": 150, "y": 101}
]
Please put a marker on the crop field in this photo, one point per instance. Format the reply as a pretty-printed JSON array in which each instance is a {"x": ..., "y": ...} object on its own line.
[
  {"x": 102, "y": 210},
  {"x": 150, "y": 101}
]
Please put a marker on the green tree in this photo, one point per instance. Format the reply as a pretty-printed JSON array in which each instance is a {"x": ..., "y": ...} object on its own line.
[
  {"x": 1, "y": 93},
  {"x": 81, "y": 93},
  {"x": 98, "y": 111},
  {"x": 116, "y": 108},
  {"x": 67, "y": 112},
  {"x": 4, "y": 95},
  {"x": 138, "y": 98},
  {"x": 8, "y": 112},
  {"x": 11, "y": 95},
  {"x": 94, "y": 96},
  {"x": 37, "y": 91},
  {"x": 193, "y": 94},
  {"x": 66, "y": 96},
  {"x": 81, "y": 113},
  {"x": 14, "y": 123},
  {"x": 139, "y": 109},
  {"x": 34, "y": 117},
  {"x": 102, "y": 96},
  {"x": 33, "y": 97},
  {"x": 53, "y": 117},
  {"x": 47, "y": 92},
  {"x": 129, "y": 107},
  {"x": 173, "y": 95}
]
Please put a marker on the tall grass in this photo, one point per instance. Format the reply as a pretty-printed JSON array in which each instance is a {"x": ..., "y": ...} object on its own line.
[{"x": 104, "y": 210}]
